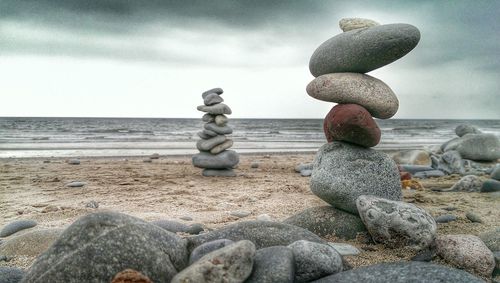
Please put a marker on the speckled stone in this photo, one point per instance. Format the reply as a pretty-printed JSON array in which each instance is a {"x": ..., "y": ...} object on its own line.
[{"x": 348, "y": 24}]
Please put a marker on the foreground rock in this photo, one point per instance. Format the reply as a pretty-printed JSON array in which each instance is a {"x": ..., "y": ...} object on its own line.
[
  {"x": 273, "y": 265},
  {"x": 466, "y": 252},
  {"x": 17, "y": 226},
  {"x": 348, "y": 24},
  {"x": 121, "y": 241},
  {"x": 328, "y": 221},
  {"x": 262, "y": 233},
  {"x": 397, "y": 224},
  {"x": 364, "y": 50},
  {"x": 314, "y": 260},
  {"x": 403, "y": 272},
  {"x": 10, "y": 274},
  {"x": 343, "y": 172},
  {"x": 353, "y": 88},
  {"x": 232, "y": 263}
]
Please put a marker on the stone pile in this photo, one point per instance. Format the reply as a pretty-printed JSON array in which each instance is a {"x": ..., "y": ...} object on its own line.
[{"x": 214, "y": 156}]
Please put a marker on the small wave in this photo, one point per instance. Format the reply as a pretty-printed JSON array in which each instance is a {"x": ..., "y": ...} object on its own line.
[
  {"x": 414, "y": 128},
  {"x": 41, "y": 138}
]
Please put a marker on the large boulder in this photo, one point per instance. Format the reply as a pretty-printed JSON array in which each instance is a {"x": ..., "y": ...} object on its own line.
[
  {"x": 98, "y": 246},
  {"x": 364, "y": 50},
  {"x": 343, "y": 172},
  {"x": 463, "y": 129},
  {"x": 479, "y": 147},
  {"x": 353, "y": 88},
  {"x": 351, "y": 123}
]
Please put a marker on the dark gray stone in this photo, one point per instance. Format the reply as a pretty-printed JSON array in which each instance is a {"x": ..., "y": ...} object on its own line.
[
  {"x": 206, "y": 248},
  {"x": 273, "y": 265},
  {"x": 177, "y": 227},
  {"x": 16, "y": 226},
  {"x": 364, "y": 50},
  {"x": 76, "y": 184},
  {"x": 470, "y": 183},
  {"x": 495, "y": 173},
  {"x": 303, "y": 166},
  {"x": 496, "y": 272},
  {"x": 216, "y": 109},
  {"x": 120, "y": 241},
  {"x": 195, "y": 229},
  {"x": 425, "y": 255},
  {"x": 327, "y": 221},
  {"x": 446, "y": 218},
  {"x": 314, "y": 260},
  {"x": 262, "y": 233},
  {"x": 463, "y": 129},
  {"x": 403, "y": 272},
  {"x": 208, "y": 118},
  {"x": 232, "y": 263},
  {"x": 212, "y": 98},
  {"x": 224, "y": 130},
  {"x": 216, "y": 90},
  {"x": 209, "y": 133},
  {"x": 203, "y": 135},
  {"x": 10, "y": 274},
  {"x": 490, "y": 186},
  {"x": 491, "y": 239},
  {"x": 397, "y": 224},
  {"x": 223, "y": 160},
  {"x": 412, "y": 169},
  {"x": 208, "y": 144},
  {"x": 479, "y": 147},
  {"x": 342, "y": 172},
  {"x": 429, "y": 174},
  {"x": 218, "y": 173}
]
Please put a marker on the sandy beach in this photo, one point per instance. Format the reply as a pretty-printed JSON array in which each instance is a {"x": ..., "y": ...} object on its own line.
[{"x": 170, "y": 188}]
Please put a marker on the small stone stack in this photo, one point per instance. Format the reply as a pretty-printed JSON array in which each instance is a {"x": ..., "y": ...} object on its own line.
[
  {"x": 214, "y": 157},
  {"x": 346, "y": 167}
]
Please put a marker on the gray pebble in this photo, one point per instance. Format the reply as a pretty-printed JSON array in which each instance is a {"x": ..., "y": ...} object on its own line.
[
  {"x": 74, "y": 161},
  {"x": 208, "y": 118},
  {"x": 306, "y": 173},
  {"x": 207, "y": 248},
  {"x": 240, "y": 213},
  {"x": 212, "y": 98},
  {"x": 186, "y": 218},
  {"x": 473, "y": 217},
  {"x": 216, "y": 90},
  {"x": 92, "y": 204},
  {"x": 344, "y": 249},
  {"x": 16, "y": 226},
  {"x": 254, "y": 165},
  {"x": 273, "y": 264},
  {"x": 76, "y": 184},
  {"x": 264, "y": 217},
  {"x": 425, "y": 255},
  {"x": 445, "y": 218}
]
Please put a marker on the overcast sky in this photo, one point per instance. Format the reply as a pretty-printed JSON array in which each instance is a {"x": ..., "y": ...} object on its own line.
[{"x": 129, "y": 58}]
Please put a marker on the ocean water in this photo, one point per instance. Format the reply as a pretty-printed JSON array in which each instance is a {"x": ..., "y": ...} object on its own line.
[{"x": 72, "y": 137}]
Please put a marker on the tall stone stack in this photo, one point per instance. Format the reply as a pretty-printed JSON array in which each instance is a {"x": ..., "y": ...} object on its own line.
[
  {"x": 214, "y": 156},
  {"x": 346, "y": 167}
]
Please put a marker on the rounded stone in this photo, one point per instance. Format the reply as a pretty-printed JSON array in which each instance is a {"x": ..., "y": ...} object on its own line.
[
  {"x": 466, "y": 252},
  {"x": 16, "y": 226},
  {"x": 208, "y": 118},
  {"x": 397, "y": 224},
  {"x": 273, "y": 264},
  {"x": 485, "y": 147},
  {"x": 490, "y": 186},
  {"x": 353, "y": 88},
  {"x": 343, "y": 172},
  {"x": 218, "y": 173},
  {"x": 228, "y": 143},
  {"x": 76, "y": 184},
  {"x": 208, "y": 144},
  {"x": 463, "y": 129},
  {"x": 491, "y": 239},
  {"x": 446, "y": 218},
  {"x": 495, "y": 173},
  {"x": 130, "y": 276},
  {"x": 221, "y": 130},
  {"x": 221, "y": 120},
  {"x": 223, "y": 160},
  {"x": 328, "y": 221},
  {"x": 74, "y": 161},
  {"x": 29, "y": 244},
  {"x": 216, "y": 109},
  {"x": 212, "y": 98},
  {"x": 351, "y": 123},
  {"x": 364, "y": 50},
  {"x": 216, "y": 90},
  {"x": 348, "y": 24},
  {"x": 207, "y": 248}
]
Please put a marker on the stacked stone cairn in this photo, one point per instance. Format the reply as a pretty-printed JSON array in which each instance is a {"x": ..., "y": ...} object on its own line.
[{"x": 214, "y": 157}]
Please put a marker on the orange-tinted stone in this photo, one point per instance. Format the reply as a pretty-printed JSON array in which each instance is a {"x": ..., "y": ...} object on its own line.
[{"x": 130, "y": 276}]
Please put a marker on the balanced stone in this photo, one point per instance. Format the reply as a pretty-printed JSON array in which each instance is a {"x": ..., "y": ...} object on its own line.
[
  {"x": 351, "y": 123},
  {"x": 212, "y": 99},
  {"x": 207, "y": 248},
  {"x": 343, "y": 172},
  {"x": 218, "y": 173},
  {"x": 228, "y": 143},
  {"x": 451, "y": 162},
  {"x": 397, "y": 224},
  {"x": 463, "y": 129},
  {"x": 216, "y": 90},
  {"x": 364, "y": 50},
  {"x": 224, "y": 130},
  {"x": 17, "y": 226},
  {"x": 273, "y": 264},
  {"x": 223, "y": 160},
  {"x": 348, "y": 24},
  {"x": 204, "y": 136},
  {"x": 209, "y": 133},
  {"x": 466, "y": 252},
  {"x": 216, "y": 109},
  {"x": 328, "y": 221},
  {"x": 220, "y": 120},
  {"x": 208, "y": 144},
  {"x": 208, "y": 118},
  {"x": 354, "y": 88}
]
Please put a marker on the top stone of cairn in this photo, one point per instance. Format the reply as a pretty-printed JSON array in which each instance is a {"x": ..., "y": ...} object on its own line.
[
  {"x": 216, "y": 90},
  {"x": 348, "y": 24}
]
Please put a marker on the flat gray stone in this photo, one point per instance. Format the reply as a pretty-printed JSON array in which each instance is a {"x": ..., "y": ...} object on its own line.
[
  {"x": 328, "y": 221},
  {"x": 343, "y": 172},
  {"x": 221, "y": 147},
  {"x": 11, "y": 274},
  {"x": 490, "y": 186},
  {"x": 403, "y": 272},
  {"x": 262, "y": 233},
  {"x": 470, "y": 183},
  {"x": 216, "y": 109},
  {"x": 412, "y": 169},
  {"x": 345, "y": 249},
  {"x": 273, "y": 265},
  {"x": 221, "y": 120},
  {"x": 120, "y": 241},
  {"x": 346, "y": 88},
  {"x": 466, "y": 252},
  {"x": 224, "y": 130},
  {"x": 446, "y": 218},
  {"x": 348, "y": 24},
  {"x": 306, "y": 173},
  {"x": 429, "y": 174},
  {"x": 240, "y": 213},
  {"x": 74, "y": 162},
  {"x": 463, "y": 129},
  {"x": 397, "y": 224},
  {"x": 177, "y": 227},
  {"x": 216, "y": 90},
  {"x": 76, "y": 184},
  {"x": 223, "y": 160},
  {"x": 208, "y": 144},
  {"x": 207, "y": 248},
  {"x": 363, "y": 50},
  {"x": 232, "y": 263},
  {"x": 16, "y": 226},
  {"x": 29, "y": 244},
  {"x": 212, "y": 98},
  {"x": 209, "y": 133},
  {"x": 208, "y": 118},
  {"x": 491, "y": 239},
  {"x": 314, "y": 260},
  {"x": 218, "y": 173},
  {"x": 303, "y": 166},
  {"x": 479, "y": 147}
]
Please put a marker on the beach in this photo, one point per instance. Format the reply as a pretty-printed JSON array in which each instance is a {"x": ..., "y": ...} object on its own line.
[{"x": 171, "y": 188}]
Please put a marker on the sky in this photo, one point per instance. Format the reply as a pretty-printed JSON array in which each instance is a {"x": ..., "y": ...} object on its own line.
[{"x": 153, "y": 58}]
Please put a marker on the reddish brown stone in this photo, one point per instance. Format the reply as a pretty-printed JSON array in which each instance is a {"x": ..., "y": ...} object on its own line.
[
  {"x": 130, "y": 276},
  {"x": 351, "y": 123},
  {"x": 405, "y": 176}
]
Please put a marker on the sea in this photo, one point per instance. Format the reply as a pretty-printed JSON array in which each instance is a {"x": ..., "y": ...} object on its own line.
[{"x": 115, "y": 137}]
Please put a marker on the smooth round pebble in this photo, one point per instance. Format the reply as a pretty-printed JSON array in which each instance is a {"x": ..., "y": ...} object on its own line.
[
  {"x": 16, "y": 226},
  {"x": 347, "y": 24},
  {"x": 445, "y": 218}
]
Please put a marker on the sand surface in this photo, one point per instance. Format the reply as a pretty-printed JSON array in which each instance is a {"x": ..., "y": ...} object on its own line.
[{"x": 170, "y": 187}]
